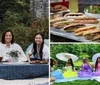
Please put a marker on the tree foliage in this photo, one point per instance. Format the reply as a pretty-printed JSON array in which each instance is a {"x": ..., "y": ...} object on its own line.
[
  {"x": 15, "y": 15},
  {"x": 24, "y": 35},
  {"x": 88, "y": 50}
]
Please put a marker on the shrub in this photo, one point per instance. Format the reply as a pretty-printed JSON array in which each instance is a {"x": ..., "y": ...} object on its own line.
[
  {"x": 21, "y": 35},
  {"x": 24, "y": 35},
  {"x": 41, "y": 25},
  {"x": 84, "y": 55}
]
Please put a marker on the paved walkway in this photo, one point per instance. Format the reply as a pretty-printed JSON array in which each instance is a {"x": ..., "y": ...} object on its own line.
[{"x": 36, "y": 81}]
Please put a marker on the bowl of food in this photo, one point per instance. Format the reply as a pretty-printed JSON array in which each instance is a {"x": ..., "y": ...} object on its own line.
[
  {"x": 92, "y": 11},
  {"x": 1, "y": 58}
]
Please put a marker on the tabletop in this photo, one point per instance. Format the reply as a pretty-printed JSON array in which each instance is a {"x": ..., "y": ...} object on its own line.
[{"x": 23, "y": 71}]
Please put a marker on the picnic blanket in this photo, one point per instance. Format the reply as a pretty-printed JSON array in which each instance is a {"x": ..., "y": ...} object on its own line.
[
  {"x": 58, "y": 75},
  {"x": 72, "y": 79},
  {"x": 77, "y": 78}
]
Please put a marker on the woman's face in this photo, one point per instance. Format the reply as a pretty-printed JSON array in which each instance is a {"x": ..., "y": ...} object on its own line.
[
  {"x": 38, "y": 39},
  {"x": 99, "y": 59},
  {"x": 85, "y": 61},
  {"x": 8, "y": 37}
]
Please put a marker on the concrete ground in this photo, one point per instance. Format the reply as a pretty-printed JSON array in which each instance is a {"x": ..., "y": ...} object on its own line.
[{"x": 36, "y": 81}]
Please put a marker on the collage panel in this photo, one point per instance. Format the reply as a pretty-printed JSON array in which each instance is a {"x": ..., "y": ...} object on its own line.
[
  {"x": 73, "y": 64},
  {"x": 75, "y": 20},
  {"x": 49, "y": 42},
  {"x": 24, "y": 42}
]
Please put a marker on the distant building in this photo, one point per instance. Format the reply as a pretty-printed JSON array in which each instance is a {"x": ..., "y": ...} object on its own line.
[{"x": 39, "y": 8}]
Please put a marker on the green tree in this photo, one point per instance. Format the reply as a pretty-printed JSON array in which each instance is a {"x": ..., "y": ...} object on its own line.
[{"x": 81, "y": 50}]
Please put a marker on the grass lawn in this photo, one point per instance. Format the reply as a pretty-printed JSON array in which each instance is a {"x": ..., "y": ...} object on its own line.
[
  {"x": 79, "y": 82},
  {"x": 79, "y": 63}
]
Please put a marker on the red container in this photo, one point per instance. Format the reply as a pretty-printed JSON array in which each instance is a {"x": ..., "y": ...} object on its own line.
[{"x": 64, "y": 3}]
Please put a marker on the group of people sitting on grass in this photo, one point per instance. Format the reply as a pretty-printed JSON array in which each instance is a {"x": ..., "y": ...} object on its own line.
[
  {"x": 69, "y": 70},
  {"x": 38, "y": 53}
]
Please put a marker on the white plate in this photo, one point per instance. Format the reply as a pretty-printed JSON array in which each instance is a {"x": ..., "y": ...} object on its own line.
[{"x": 67, "y": 35}]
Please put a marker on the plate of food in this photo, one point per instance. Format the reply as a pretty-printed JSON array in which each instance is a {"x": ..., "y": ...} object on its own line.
[
  {"x": 92, "y": 11},
  {"x": 73, "y": 15},
  {"x": 67, "y": 35},
  {"x": 58, "y": 8},
  {"x": 86, "y": 31}
]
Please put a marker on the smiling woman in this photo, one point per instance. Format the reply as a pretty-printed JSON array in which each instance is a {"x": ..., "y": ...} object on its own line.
[
  {"x": 7, "y": 45},
  {"x": 39, "y": 52}
]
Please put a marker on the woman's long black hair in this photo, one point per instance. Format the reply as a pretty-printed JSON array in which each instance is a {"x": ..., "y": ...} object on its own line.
[
  {"x": 71, "y": 62},
  {"x": 96, "y": 64},
  {"x": 35, "y": 45}
]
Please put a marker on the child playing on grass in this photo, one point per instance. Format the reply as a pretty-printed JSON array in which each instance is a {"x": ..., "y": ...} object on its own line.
[
  {"x": 86, "y": 69},
  {"x": 69, "y": 70}
]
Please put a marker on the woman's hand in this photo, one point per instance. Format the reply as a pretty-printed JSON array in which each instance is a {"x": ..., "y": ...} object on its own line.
[
  {"x": 34, "y": 62},
  {"x": 44, "y": 62},
  {"x": 30, "y": 62},
  {"x": 38, "y": 62}
]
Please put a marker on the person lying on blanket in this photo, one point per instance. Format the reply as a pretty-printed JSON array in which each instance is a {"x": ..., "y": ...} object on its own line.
[
  {"x": 97, "y": 67},
  {"x": 86, "y": 69},
  {"x": 69, "y": 70}
]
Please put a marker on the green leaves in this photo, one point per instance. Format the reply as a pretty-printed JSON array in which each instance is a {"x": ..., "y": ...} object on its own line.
[
  {"x": 15, "y": 15},
  {"x": 93, "y": 9},
  {"x": 14, "y": 53},
  {"x": 81, "y": 50},
  {"x": 24, "y": 35}
]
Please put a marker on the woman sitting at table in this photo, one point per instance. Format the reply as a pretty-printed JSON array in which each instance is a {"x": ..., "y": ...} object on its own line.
[
  {"x": 7, "y": 45},
  {"x": 40, "y": 52}
]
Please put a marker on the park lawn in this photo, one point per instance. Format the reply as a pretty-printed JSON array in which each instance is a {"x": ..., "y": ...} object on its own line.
[
  {"x": 79, "y": 82},
  {"x": 79, "y": 63}
]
